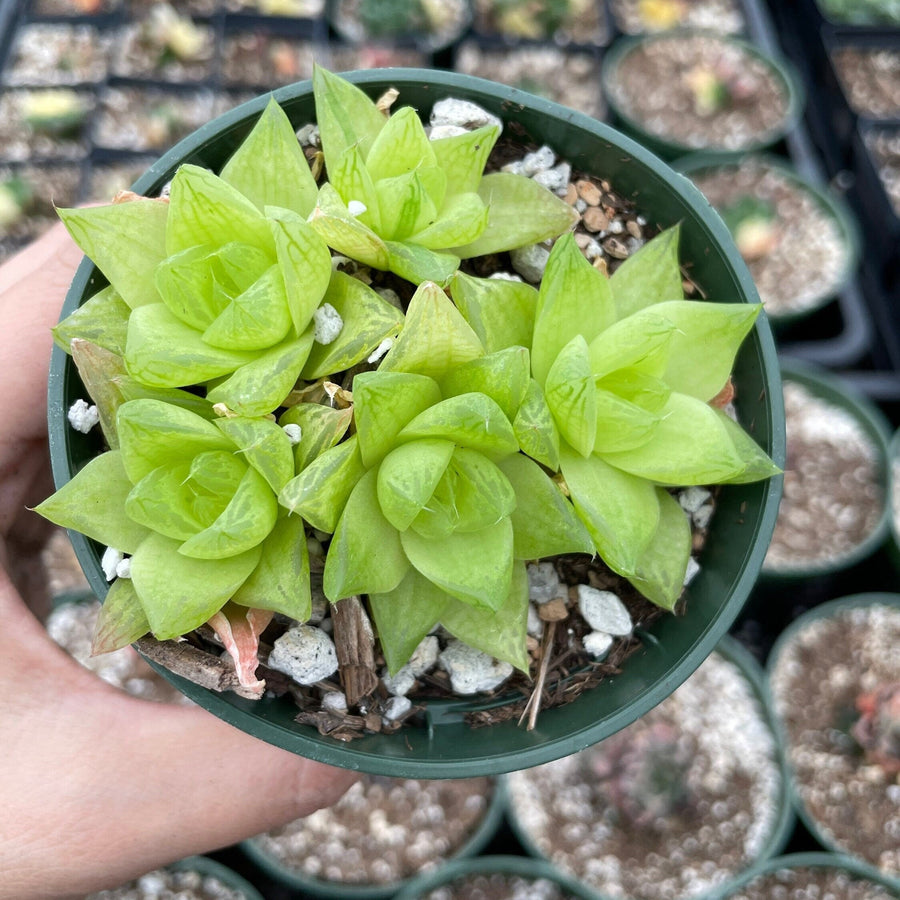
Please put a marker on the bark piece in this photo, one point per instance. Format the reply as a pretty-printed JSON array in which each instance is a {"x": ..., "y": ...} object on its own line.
[{"x": 354, "y": 642}]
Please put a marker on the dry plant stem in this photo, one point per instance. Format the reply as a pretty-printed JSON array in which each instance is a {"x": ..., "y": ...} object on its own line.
[
  {"x": 533, "y": 707},
  {"x": 355, "y": 647}
]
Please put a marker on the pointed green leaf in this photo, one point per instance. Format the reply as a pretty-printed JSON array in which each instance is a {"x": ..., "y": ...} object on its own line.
[
  {"x": 400, "y": 147},
  {"x": 163, "y": 501},
  {"x": 264, "y": 445},
  {"x": 621, "y": 425},
  {"x": 571, "y": 395},
  {"x": 500, "y": 312},
  {"x": 503, "y": 376},
  {"x": 482, "y": 492},
  {"x": 407, "y": 478},
  {"x": 269, "y": 167},
  {"x": 102, "y": 320},
  {"x": 126, "y": 241},
  {"x": 535, "y": 429},
  {"x": 756, "y": 464},
  {"x": 641, "y": 342},
  {"x": 544, "y": 521},
  {"x": 649, "y": 276},
  {"x": 131, "y": 389},
  {"x": 506, "y": 195},
  {"x": 463, "y": 157},
  {"x": 365, "y": 555},
  {"x": 461, "y": 220},
  {"x": 99, "y": 370},
  {"x": 121, "y": 620},
  {"x": 418, "y": 264},
  {"x": 93, "y": 502},
  {"x": 351, "y": 179},
  {"x": 405, "y": 206},
  {"x": 321, "y": 427},
  {"x": 178, "y": 593},
  {"x": 637, "y": 387},
  {"x": 343, "y": 232}
]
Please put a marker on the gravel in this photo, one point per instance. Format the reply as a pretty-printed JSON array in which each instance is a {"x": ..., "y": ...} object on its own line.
[
  {"x": 721, "y": 16},
  {"x": 165, "y": 885},
  {"x": 870, "y": 79},
  {"x": 806, "y": 882}
]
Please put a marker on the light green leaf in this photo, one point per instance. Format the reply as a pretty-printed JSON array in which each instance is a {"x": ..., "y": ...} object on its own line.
[
  {"x": 407, "y": 478},
  {"x": 621, "y": 425},
  {"x": 506, "y": 195},
  {"x": 269, "y": 167},
  {"x": 99, "y": 370},
  {"x": 383, "y": 403},
  {"x": 661, "y": 568},
  {"x": 319, "y": 493},
  {"x": 126, "y": 241},
  {"x": 345, "y": 115},
  {"x": 500, "y": 312},
  {"x": 368, "y": 319},
  {"x": 321, "y": 427},
  {"x": 631, "y": 384},
  {"x": 131, "y": 389},
  {"x": 621, "y": 512},
  {"x": 481, "y": 491},
  {"x": 640, "y": 342},
  {"x": 756, "y": 464},
  {"x": 164, "y": 501},
  {"x": 264, "y": 445},
  {"x": 571, "y": 395},
  {"x": 503, "y": 376},
  {"x": 535, "y": 429},
  {"x": 280, "y": 581},
  {"x": 464, "y": 156},
  {"x": 93, "y": 502},
  {"x": 332, "y": 221},
  {"x": 351, "y": 179},
  {"x": 502, "y": 634},
  {"x": 365, "y": 555},
  {"x": 544, "y": 521},
  {"x": 178, "y": 593},
  {"x": 418, "y": 264},
  {"x": 649, "y": 276},
  {"x": 405, "y": 205},
  {"x": 461, "y": 220},
  {"x": 435, "y": 337},
  {"x": 102, "y": 320},
  {"x": 121, "y": 620},
  {"x": 401, "y": 146},
  {"x": 475, "y": 567}
]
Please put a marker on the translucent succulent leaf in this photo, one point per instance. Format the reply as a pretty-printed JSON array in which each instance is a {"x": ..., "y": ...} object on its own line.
[
  {"x": 244, "y": 523},
  {"x": 131, "y": 389},
  {"x": 319, "y": 493},
  {"x": 345, "y": 115},
  {"x": 405, "y": 615},
  {"x": 126, "y": 241},
  {"x": 441, "y": 516},
  {"x": 407, "y": 478},
  {"x": 321, "y": 427},
  {"x": 572, "y": 396},
  {"x": 204, "y": 209},
  {"x": 705, "y": 333},
  {"x": 757, "y": 464},
  {"x": 269, "y": 167},
  {"x": 500, "y": 312},
  {"x": 470, "y": 420},
  {"x": 435, "y": 337},
  {"x": 153, "y": 434},
  {"x": 574, "y": 299},
  {"x": 475, "y": 567},
  {"x": 503, "y": 376},
  {"x": 621, "y": 424},
  {"x": 259, "y": 387},
  {"x": 636, "y": 386},
  {"x": 459, "y": 221},
  {"x": 305, "y": 263},
  {"x": 690, "y": 445},
  {"x": 535, "y": 429},
  {"x": 264, "y": 445},
  {"x": 464, "y": 156},
  {"x": 401, "y": 146},
  {"x": 418, "y": 264},
  {"x": 652, "y": 275},
  {"x": 121, "y": 620},
  {"x": 163, "y": 501},
  {"x": 661, "y": 568},
  {"x": 102, "y": 320},
  {"x": 239, "y": 629},
  {"x": 280, "y": 581},
  {"x": 482, "y": 492},
  {"x": 333, "y": 222},
  {"x": 383, "y": 403},
  {"x": 641, "y": 342},
  {"x": 506, "y": 195},
  {"x": 544, "y": 521},
  {"x": 93, "y": 502},
  {"x": 179, "y": 593},
  {"x": 621, "y": 511},
  {"x": 162, "y": 351},
  {"x": 351, "y": 179},
  {"x": 368, "y": 319},
  {"x": 406, "y": 207},
  {"x": 365, "y": 555},
  {"x": 501, "y": 634},
  {"x": 99, "y": 370}
]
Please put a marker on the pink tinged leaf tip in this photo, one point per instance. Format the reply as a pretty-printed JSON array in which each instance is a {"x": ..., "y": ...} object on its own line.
[{"x": 239, "y": 629}]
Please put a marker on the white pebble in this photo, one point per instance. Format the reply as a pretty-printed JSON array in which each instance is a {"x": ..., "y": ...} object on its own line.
[
  {"x": 305, "y": 653},
  {"x": 692, "y": 498},
  {"x": 123, "y": 569},
  {"x": 506, "y": 276},
  {"x": 535, "y": 625},
  {"x": 391, "y": 296},
  {"x": 110, "y": 562},
  {"x": 293, "y": 431},
  {"x": 693, "y": 567},
  {"x": 83, "y": 417},
  {"x": 380, "y": 350},
  {"x": 539, "y": 161},
  {"x": 356, "y": 208},
  {"x": 309, "y": 135},
  {"x": 424, "y": 658},
  {"x": 530, "y": 261},
  {"x": 702, "y": 516},
  {"x": 400, "y": 683},
  {"x": 472, "y": 671},
  {"x": 328, "y": 324},
  {"x": 462, "y": 113},
  {"x": 604, "y": 611},
  {"x": 335, "y": 701},
  {"x": 598, "y": 643},
  {"x": 396, "y": 707},
  {"x": 444, "y": 131},
  {"x": 514, "y": 167},
  {"x": 543, "y": 582},
  {"x": 555, "y": 179}
]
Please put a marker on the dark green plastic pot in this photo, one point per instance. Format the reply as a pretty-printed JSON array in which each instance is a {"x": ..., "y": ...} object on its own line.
[
  {"x": 532, "y": 869},
  {"x": 834, "y": 390},
  {"x": 671, "y": 148},
  {"x": 447, "y": 747},
  {"x": 335, "y": 890},
  {"x": 828, "y": 202},
  {"x": 894, "y": 495},
  {"x": 731, "y": 650},
  {"x": 210, "y": 868}
]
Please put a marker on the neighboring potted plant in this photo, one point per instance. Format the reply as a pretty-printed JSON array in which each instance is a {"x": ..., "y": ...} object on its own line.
[{"x": 466, "y": 417}]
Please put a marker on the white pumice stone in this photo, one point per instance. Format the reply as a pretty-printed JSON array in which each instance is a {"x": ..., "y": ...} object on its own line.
[
  {"x": 400, "y": 683},
  {"x": 391, "y": 296},
  {"x": 598, "y": 643},
  {"x": 293, "y": 431},
  {"x": 693, "y": 567},
  {"x": 328, "y": 324},
  {"x": 335, "y": 701},
  {"x": 530, "y": 261},
  {"x": 396, "y": 707},
  {"x": 304, "y": 653},
  {"x": 462, "y": 113},
  {"x": 506, "y": 276},
  {"x": 555, "y": 179},
  {"x": 692, "y": 498},
  {"x": 543, "y": 582},
  {"x": 380, "y": 350},
  {"x": 703, "y": 515},
  {"x": 539, "y": 161},
  {"x": 123, "y": 569},
  {"x": 514, "y": 167},
  {"x": 444, "y": 131},
  {"x": 356, "y": 208},
  {"x": 534, "y": 626},
  {"x": 593, "y": 250},
  {"x": 424, "y": 658},
  {"x": 604, "y": 611},
  {"x": 472, "y": 671},
  {"x": 309, "y": 135},
  {"x": 110, "y": 562},
  {"x": 83, "y": 416}
]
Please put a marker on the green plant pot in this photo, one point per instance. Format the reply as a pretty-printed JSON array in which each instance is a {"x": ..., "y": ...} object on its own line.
[
  {"x": 672, "y": 148},
  {"x": 829, "y": 204},
  {"x": 833, "y": 390},
  {"x": 894, "y": 495},
  {"x": 745, "y": 518},
  {"x": 209, "y": 867},
  {"x": 532, "y": 869},
  {"x": 334, "y": 890}
]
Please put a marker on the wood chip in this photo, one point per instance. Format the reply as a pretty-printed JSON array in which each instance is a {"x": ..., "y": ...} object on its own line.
[
  {"x": 354, "y": 643},
  {"x": 595, "y": 219},
  {"x": 589, "y": 192},
  {"x": 615, "y": 248},
  {"x": 554, "y": 610}
]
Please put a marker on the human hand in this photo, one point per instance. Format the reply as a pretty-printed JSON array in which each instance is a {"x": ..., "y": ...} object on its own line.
[{"x": 98, "y": 787}]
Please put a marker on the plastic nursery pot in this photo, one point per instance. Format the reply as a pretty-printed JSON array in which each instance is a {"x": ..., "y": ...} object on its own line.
[
  {"x": 209, "y": 868},
  {"x": 530, "y": 870},
  {"x": 826, "y": 203},
  {"x": 834, "y": 391},
  {"x": 894, "y": 494},
  {"x": 447, "y": 747},
  {"x": 294, "y": 879},
  {"x": 795, "y": 863},
  {"x": 671, "y": 147}
]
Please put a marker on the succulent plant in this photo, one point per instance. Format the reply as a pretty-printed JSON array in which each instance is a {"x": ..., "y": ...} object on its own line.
[
  {"x": 58, "y": 112},
  {"x": 877, "y": 730},
  {"x": 753, "y": 223},
  {"x": 15, "y": 196}
]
